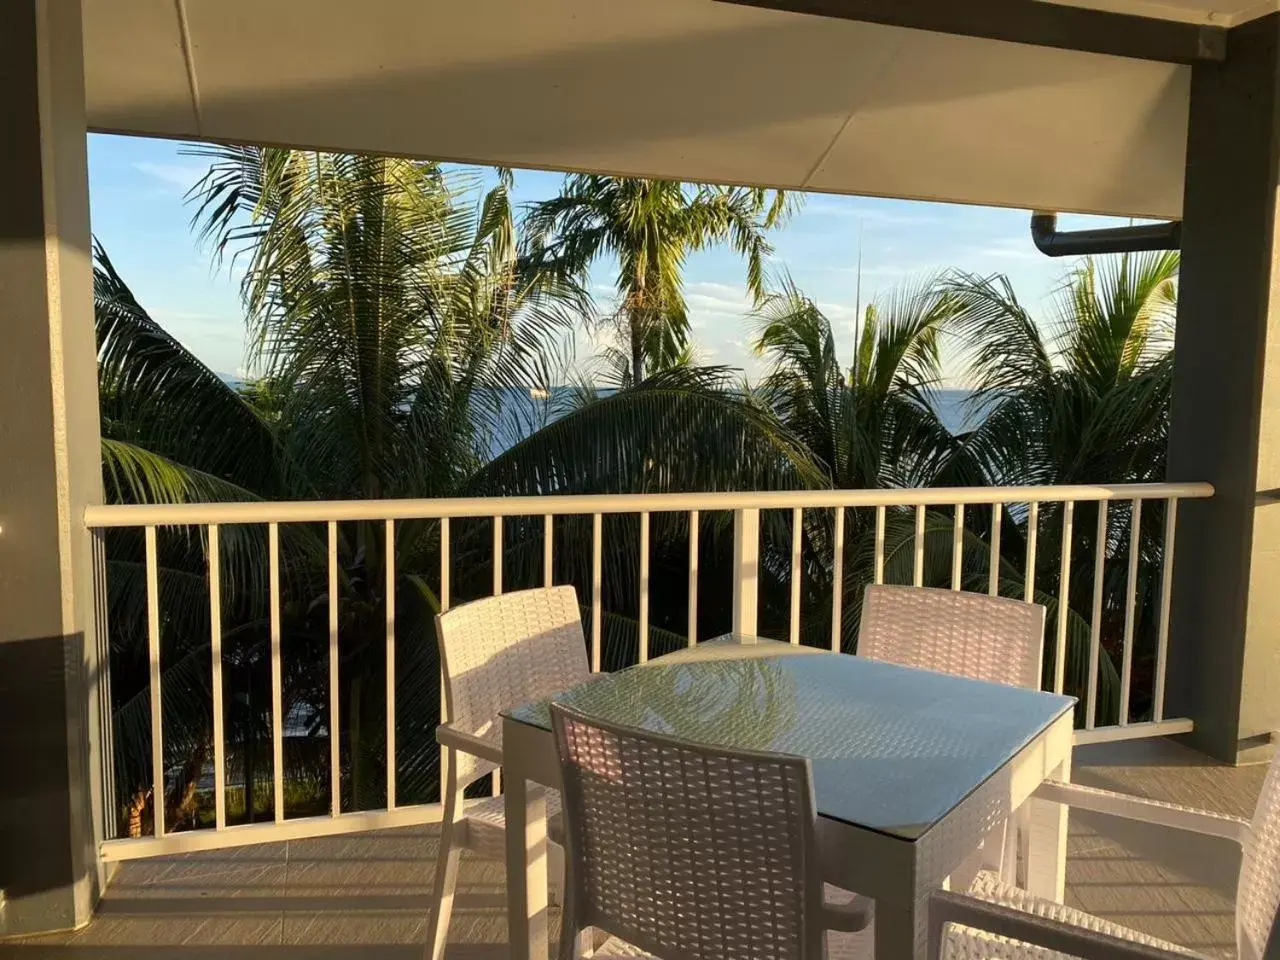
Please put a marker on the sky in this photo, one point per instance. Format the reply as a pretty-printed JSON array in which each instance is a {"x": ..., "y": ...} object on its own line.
[{"x": 138, "y": 213}]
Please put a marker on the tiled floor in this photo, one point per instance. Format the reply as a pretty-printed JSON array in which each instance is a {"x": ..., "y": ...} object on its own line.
[
  {"x": 366, "y": 897},
  {"x": 1174, "y": 885}
]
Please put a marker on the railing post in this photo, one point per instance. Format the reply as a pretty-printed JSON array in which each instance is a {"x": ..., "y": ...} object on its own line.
[{"x": 746, "y": 569}]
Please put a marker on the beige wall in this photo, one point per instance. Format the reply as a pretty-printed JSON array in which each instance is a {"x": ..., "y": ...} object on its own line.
[{"x": 49, "y": 471}]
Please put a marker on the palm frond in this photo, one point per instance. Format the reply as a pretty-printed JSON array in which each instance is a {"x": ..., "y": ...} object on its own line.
[
  {"x": 1003, "y": 344},
  {"x": 156, "y": 393},
  {"x": 134, "y": 474},
  {"x": 638, "y": 440}
]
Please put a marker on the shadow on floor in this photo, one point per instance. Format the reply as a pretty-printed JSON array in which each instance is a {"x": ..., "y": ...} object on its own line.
[{"x": 367, "y": 896}]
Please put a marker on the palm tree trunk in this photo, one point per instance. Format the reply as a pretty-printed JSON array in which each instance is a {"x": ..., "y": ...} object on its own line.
[{"x": 637, "y": 350}]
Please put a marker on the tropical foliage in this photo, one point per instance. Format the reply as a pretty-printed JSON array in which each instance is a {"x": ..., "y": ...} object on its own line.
[
  {"x": 398, "y": 328},
  {"x": 400, "y": 315},
  {"x": 1080, "y": 397},
  {"x": 650, "y": 227},
  {"x": 872, "y": 424}
]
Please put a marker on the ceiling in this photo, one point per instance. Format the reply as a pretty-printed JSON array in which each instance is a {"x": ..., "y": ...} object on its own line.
[{"x": 686, "y": 89}]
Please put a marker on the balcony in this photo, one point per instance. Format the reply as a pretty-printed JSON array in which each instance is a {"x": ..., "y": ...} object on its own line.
[
  {"x": 892, "y": 100},
  {"x": 354, "y": 878}
]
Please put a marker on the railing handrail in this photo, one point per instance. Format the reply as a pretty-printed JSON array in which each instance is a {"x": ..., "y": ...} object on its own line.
[
  {"x": 745, "y": 507},
  {"x": 313, "y": 511}
]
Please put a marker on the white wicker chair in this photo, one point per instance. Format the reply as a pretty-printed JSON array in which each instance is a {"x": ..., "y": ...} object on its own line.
[
  {"x": 965, "y": 634},
  {"x": 999, "y": 922},
  {"x": 997, "y": 639},
  {"x": 495, "y": 654},
  {"x": 688, "y": 852}
]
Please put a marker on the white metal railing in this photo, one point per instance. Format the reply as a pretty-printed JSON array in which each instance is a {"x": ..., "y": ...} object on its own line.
[{"x": 746, "y": 508}]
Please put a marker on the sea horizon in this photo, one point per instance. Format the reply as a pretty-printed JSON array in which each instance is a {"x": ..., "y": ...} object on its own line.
[{"x": 524, "y": 408}]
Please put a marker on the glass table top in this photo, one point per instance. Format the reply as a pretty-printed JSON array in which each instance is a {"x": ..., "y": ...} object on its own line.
[{"x": 892, "y": 748}]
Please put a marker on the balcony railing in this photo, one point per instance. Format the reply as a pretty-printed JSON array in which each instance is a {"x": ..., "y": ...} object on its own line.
[{"x": 957, "y": 537}]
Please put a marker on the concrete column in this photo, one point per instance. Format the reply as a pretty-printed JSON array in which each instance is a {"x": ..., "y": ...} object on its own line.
[
  {"x": 49, "y": 472},
  {"x": 1225, "y": 626}
]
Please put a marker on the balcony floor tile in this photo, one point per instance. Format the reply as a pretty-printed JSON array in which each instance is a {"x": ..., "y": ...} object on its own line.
[{"x": 367, "y": 896}]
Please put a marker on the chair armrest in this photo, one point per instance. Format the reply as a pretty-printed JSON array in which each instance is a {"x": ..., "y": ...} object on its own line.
[
  {"x": 848, "y": 917},
  {"x": 945, "y": 907},
  {"x": 1156, "y": 812},
  {"x": 448, "y": 735}
]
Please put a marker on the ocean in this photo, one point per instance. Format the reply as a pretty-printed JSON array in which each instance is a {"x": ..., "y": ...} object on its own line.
[
  {"x": 523, "y": 412},
  {"x": 950, "y": 405}
]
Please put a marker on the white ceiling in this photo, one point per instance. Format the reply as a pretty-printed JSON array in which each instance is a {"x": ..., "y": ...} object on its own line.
[{"x": 685, "y": 89}]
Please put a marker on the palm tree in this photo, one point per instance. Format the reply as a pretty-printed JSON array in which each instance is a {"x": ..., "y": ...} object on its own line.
[
  {"x": 651, "y": 226},
  {"x": 391, "y": 318},
  {"x": 380, "y": 301},
  {"x": 1082, "y": 399},
  {"x": 875, "y": 424},
  {"x": 870, "y": 425},
  {"x": 387, "y": 313}
]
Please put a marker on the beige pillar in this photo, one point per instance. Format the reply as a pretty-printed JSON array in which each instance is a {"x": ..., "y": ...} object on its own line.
[
  {"x": 49, "y": 471},
  {"x": 1224, "y": 664}
]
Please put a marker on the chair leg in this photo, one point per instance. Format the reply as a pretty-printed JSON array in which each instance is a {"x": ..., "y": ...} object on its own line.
[
  {"x": 446, "y": 879},
  {"x": 1009, "y": 850},
  {"x": 576, "y": 943},
  {"x": 555, "y": 874},
  {"x": 557, "y": 895},
  {"x": 1021, "y": 844}
]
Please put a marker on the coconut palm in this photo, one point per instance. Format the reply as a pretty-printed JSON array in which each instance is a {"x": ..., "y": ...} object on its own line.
[
  {"x": 172, "y": 432},
  {"x": 385, "y": 310},
  {"x": 1080, "y": 398},
  {"x": 870, "y": 425},
  {"x": 650, "y": 227},
  {"x": 875, "y": 424},
  {"x": 1083, "y": 396},
  {"x": 392, "y": 318}
]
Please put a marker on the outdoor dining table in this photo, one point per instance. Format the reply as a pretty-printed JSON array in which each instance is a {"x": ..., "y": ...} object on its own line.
[{"x": 911, "y": 768}]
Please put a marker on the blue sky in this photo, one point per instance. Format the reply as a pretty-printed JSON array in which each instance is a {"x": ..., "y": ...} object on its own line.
[{"x": 136, "y": 189}]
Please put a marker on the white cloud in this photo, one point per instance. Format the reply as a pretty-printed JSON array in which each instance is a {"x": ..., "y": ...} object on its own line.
[
  {"x": 181, "y": 175},
  {"x": 891, "y": 270},
  {"x": 852, "y": 210},
  {"x": 167, "y": 315},
  {"x": 718, "y": 301},
  {"x": 1006, "y": 248},
  {"x": 725, "y": 291},
  {"x": 840, "y": 314}
]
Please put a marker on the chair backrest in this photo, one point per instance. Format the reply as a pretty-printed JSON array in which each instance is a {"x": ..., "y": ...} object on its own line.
[
  {"x": 502, "y": 651},
  {"x": 965, "y": 634},
  {"x": 686, "y": 851},
  {"x": 1258, "y": 896}
]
